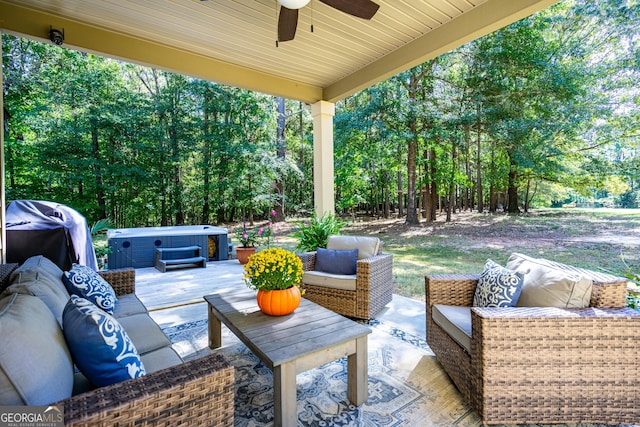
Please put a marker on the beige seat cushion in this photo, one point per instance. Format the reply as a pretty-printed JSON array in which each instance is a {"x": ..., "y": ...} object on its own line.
[
  {"x": 128, "y": 305},
  {"x": 161, "y": 358},
  {"x": 548, "y": 284},
  {"x": 328, "y": 280},
  {"x": 35, "y": 364},
  {"x": 456, "y": 321},
  {"x": 145, "y": 334},
  {"x": 367, "y": 246}
]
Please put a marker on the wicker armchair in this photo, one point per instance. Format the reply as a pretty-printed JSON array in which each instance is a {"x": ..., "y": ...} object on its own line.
[
  {"x": 542, "y": 365},
  {"x": 373, "y": 282},
  {"x": 195, "y": 393}
]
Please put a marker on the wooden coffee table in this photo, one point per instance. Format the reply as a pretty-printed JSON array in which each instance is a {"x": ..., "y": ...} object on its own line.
[{"x": 308, "y": 338}]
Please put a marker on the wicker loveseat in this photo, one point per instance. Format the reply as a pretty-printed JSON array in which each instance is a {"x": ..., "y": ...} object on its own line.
[
  {"x": 361, "y": 295},
  {"x": 540, "y": 364},
  {"x": 35, "y": 361}
]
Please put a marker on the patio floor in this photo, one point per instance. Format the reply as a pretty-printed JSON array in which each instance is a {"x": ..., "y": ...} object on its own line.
[{"x": 175, "y": 297}]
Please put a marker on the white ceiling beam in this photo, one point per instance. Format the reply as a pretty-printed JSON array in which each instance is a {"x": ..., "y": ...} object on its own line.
[
  {"x": 479, "y": 21},
  {"x": 476, "y": 22},
  {"x": 35, "y": 24}
]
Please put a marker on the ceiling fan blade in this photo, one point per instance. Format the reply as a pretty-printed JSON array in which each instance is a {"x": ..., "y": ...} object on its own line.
[
  {"x": 287, "y": 24},
  {"x": 361, "y": 8}
]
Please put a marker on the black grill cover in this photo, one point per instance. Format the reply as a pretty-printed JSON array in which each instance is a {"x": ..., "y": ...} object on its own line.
[{"x": 49, "y": 229}]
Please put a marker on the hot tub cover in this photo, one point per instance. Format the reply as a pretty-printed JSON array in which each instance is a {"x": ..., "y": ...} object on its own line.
[{"x": 60, "y": 233}]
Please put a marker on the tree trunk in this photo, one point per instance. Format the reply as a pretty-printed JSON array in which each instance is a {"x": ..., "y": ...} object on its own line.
[
  {"x": 425, "y": 199},
  {"x": 250, "y": 207},
  {"x": 412, "y": 86},
  {"x": 387, "y": 190},
  {"x": 512, "y": 191},
  {"x": 281, "y": 153},
  {"x": 164, "y": 216},
  {"x": 177, "y": 173},
  {"x": 412, "y": 152},
  {"x": 526, "y": 196},
  {"x": 102, "y": 204},
  {"x": 223, "y": 162},
  {"x": 479, "y": 162},
  {"x": 467, "y": 165},
  {"x": 452, "y": 184},
  {"x": 493, "y": 197},
  {"x": 400, "y": 187},
  {"x": 206, "y": 160},
  {"x": 433, "y": 186}
]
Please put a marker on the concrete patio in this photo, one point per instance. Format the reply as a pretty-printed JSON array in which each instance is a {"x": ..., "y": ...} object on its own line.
[{"x": 175, "y": 297}]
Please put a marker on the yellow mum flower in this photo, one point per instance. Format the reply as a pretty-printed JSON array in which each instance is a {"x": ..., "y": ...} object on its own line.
[{"x": 273, "y": 268}]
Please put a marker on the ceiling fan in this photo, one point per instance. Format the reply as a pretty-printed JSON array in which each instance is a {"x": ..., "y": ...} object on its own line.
[{"x": 288, "y": 17}]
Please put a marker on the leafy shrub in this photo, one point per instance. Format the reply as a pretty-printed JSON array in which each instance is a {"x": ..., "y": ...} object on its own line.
[
  {"x": 98, "y": 237},
  {"x": 633, "y": 299},
  {"x": 315, "y": 235}
]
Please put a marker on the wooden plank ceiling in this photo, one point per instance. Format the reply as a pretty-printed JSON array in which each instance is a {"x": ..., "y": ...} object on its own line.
[{"x": 234, "y": 41}]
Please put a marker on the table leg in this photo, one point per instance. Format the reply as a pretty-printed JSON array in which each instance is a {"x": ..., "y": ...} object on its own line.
[
  {"x": 357, "y": 373},
  {"x": 215, "y": 330},
  {"x": 285, "y": 412}
]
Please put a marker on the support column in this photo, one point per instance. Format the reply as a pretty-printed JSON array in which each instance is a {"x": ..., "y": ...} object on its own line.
[
  {"x": 3, "y": 208},
  {"x": 322, "y": 113}
]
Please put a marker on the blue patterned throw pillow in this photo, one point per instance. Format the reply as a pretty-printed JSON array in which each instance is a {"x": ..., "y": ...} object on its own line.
[
  {"x": 85, "y": 282},
  {"x": 100, "y": 347},
  {"x": 497, "y": 287}
]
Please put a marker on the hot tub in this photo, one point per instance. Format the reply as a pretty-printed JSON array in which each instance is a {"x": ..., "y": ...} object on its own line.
[{"x": 136, "y": 247}]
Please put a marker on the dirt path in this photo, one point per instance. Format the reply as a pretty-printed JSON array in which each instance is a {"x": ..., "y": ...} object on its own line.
[{"x": 546, "y": 228}]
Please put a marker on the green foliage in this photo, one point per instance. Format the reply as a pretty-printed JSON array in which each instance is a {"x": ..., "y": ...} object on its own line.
[
  {"x": 249, "y": 237},
  {"x": 98, "y": 238},
  {"x": 315, "y": 234},
  {"x": 101, "y": 226},
  {"x": 549, "y": 102},
  {"x": 633, "y": 298}
]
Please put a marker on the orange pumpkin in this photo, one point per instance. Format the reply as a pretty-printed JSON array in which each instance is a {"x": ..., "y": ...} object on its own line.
[{"x": 279, "y": 302}]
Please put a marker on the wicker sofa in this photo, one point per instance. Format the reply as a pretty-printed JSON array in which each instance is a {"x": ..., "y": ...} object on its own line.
[
  {"x": 35, "y": 362},
  {"x": 540, "y": 364},
  {"x": 361, "y": 295}
]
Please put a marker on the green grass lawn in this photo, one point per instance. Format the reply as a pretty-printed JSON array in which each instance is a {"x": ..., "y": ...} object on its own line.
[{"x": 594, "y": 239}]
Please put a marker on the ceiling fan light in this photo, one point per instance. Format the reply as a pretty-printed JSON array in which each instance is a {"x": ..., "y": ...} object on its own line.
[{"x": 293, "y": 4}]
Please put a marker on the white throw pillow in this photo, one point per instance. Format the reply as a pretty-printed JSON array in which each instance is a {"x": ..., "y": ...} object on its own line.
[
  {"x": 549, "y": 285},
  {"x": 367, "y": 246}
]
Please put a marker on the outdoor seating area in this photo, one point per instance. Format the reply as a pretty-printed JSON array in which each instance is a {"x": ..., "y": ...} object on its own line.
[
  {"x": 38, "y": 360},
  {"x": 358, "y": 283},
  {"x": 494, "y": 359},
  {"x": 536, "y": 363},
  {"x": 333, "y": 138}
]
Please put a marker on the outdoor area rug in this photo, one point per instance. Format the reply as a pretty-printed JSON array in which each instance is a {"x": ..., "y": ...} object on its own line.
[{"x": 407, "y": 385}]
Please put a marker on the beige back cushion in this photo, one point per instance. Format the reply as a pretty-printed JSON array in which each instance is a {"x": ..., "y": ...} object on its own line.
[
  {"x": 42, "y": 278},
  {"x": 548, "y": 284},
  {"x": 367, "y": 246},
  {"x": 35, "y": 364}
]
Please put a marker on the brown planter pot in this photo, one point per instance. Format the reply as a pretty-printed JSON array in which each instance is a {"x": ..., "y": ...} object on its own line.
[{"x": 243, "y": 254}]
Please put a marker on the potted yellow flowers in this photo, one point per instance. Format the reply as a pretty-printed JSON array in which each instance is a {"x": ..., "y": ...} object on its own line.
[{"x": 275, "y": 273}]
